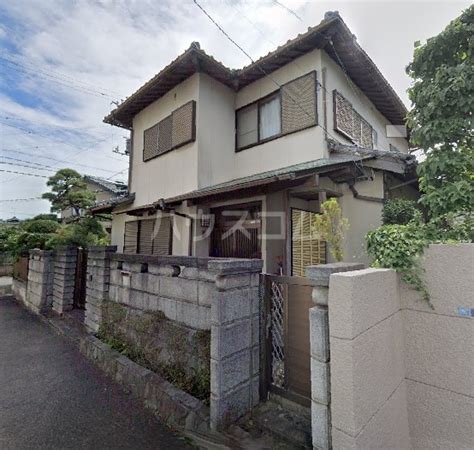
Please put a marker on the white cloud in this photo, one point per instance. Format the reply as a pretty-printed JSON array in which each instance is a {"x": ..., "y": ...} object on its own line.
[{"x": 70, "y": 53}]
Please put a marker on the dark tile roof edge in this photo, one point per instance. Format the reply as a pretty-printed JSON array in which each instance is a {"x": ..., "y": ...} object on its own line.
[{"x": 197, "y": 58}]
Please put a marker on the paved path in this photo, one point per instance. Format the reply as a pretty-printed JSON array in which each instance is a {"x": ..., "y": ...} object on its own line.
[{"x": 51, "y": 397}]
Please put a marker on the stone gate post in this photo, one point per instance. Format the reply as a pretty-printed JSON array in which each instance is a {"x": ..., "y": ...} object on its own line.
[
  {"x": 64, "y": 279},
  {"x": 235, "y": 351},
  {"x": 320, "y": 357},
  {"x": 98, "y": 282}
]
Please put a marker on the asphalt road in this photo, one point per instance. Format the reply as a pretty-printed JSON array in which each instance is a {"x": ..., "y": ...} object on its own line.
[{"x": 51, "y": 397}]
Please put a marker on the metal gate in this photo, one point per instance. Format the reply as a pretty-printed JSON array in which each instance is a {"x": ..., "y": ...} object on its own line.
[
  {"x": 286, "y": 352},
  {"x": 81, "y": 279}
]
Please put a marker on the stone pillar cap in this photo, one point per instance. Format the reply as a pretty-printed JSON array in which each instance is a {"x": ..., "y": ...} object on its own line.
[{"x": 321, "y": 273}]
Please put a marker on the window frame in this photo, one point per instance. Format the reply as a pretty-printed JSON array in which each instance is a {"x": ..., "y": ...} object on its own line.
[
  {"x": 266, "y": 98},
  {"x": 258, "y": 102},
  {"x": 173, "y": 147}
]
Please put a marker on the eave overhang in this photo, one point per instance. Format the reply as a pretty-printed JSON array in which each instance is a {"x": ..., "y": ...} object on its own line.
[{"x": 331, "y": 35}]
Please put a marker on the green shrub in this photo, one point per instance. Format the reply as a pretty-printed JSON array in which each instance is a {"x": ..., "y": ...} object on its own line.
[{"x": 398, "y": 211}]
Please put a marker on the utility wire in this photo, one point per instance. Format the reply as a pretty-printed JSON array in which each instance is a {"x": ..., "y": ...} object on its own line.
[
  {"x": 24, "y": 173},
  {"x": 30, "y": 199},
  {"x": 289, "y": 10},
  {"x": 258, "y": 65},
  {"x": 49, "y": 158},
  {"x": 38, "y": 73},
  {"x": 27, "y": 166}
]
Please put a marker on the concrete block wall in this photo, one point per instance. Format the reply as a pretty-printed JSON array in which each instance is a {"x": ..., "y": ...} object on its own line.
[
  {"x": 64, "y": 279},
  {"x": 98, "y": 282},
  {"x": 401, "y": 372},
  {"x": 320, "y": 354},
  {"x": 182, "y": 288},
  {"x": 235, "y": 340},
  {"x": 39, "y": 291}
]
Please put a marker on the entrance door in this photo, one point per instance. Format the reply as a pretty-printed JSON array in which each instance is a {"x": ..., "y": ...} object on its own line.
[{"x": 237, "y": 231}]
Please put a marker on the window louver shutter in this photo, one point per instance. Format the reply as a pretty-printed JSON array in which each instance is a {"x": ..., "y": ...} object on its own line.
[
  {"x": 130, "y": 237},
  {"x": 150, "y": 143},
  {"x": 343, "y": 115},
  {"x": 183, "y": 124},
  {"x": 367, "y": 138},
  {"x": 307, "y": 249},
  {"x": 298, "y": 104},
  {"x": 162, "y": 236},
  {"x": 165, "y": 142},
  {"x": 145, "y": 245},
  {"x": 350, "y": 123}
]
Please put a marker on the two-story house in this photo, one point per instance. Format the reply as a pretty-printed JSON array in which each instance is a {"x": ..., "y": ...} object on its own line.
[{"x": 237, "y": 162}]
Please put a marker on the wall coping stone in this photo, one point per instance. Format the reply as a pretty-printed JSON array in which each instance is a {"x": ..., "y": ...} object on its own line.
[
  {"x": 102, "y": 248},
  {"x": 235, "y": 265},
  {"x": 188, "y": 261},
  {"x": 37, "y": 251},
  {"x": 321, "y": 273}
]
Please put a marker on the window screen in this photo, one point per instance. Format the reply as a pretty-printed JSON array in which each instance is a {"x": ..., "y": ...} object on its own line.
[
  {"x": 130, "y": 240},
  {"x": 270, "y": 114},
  {"x": 150, "y": 142},
  {"x": 350, "y": 123},
  {"x": 162, "y": 236},
  {"x": 173, "y": 131},
  {"x": 183, "y": 124},
  {"x": 306, "y": 248},
  {"x": 247, "y": 126},
  {"x": 145, "y": 244},
  {"x": 299, "y": 103}
]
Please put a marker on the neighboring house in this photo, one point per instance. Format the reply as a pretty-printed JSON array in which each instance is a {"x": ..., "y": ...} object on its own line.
[
  {"x": 104, "y": 190},
  {"x": 236, "y": 162}
]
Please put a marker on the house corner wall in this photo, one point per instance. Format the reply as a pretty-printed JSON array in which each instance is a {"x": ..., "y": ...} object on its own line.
[
  {"x": 401, "y": 371},
  {"x": 368, "y": 388},
  {"x": 438, "y": 350}
]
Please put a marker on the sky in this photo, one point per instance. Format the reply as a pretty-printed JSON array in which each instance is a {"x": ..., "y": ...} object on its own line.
[{"x": 63, "y": 64}]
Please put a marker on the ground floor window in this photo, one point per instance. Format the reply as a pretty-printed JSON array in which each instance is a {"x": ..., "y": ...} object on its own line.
[
  {"x": 148, "y": 236},
  {"x": 237, "y": 231},
  {"x": 306, "y": 248}
]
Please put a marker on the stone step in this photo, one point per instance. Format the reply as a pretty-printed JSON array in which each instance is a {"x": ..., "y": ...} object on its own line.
[{"x": 285, "y": 421}]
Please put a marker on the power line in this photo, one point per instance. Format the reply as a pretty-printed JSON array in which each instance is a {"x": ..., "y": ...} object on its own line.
[
  {"x": 22, "y": 199},
  {"x": 49, "y": 158},
  {"x": 24, "y": 165},
  {"x": 24, "y": 173},
  {"x": 289, "y": 10},
  {"x": 57, "y": 74},
  {"x": 118, "y": 173},
  {"x": 46, "y": 76},
  {"x": 258, "y": 65}
]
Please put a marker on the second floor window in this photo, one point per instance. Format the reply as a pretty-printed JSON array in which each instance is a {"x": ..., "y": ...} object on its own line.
[
  {"x": 291, "y": 108},
  {"x": 270, "y": 117},
  {"x": 178, "y": 129},
  {"x": 259, "y": 121}
]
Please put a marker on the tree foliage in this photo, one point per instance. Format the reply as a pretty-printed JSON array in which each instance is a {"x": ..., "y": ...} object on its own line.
[
  {"x": 441, "y": 118},
  {"x": 398, "y": 211},
  {"x": 441, "y": 122},
  {"x": 331, "y": 227},
  {"x": 69, "y": 190}
]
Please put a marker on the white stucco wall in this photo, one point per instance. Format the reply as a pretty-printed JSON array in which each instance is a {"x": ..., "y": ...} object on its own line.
[
  {"x": 172, "y": 173},
  {"x": 337, "y": 79}
]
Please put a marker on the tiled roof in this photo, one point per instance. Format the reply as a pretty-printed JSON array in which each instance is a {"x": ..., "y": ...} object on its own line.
[
  {"x": 332, "y": 35},
  {"x": 115, "y": 187}
]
